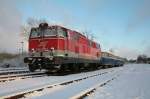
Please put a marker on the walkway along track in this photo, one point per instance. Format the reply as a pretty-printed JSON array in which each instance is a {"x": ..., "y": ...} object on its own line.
[{"x": 25, "y": 93}]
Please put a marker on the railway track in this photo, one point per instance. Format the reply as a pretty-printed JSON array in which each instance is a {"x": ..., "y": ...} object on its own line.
[
  {"x": 91, "y": 90},
  {"x": 25, "y": 94},
  {"x": 20, "y": 75},
  {"x": 9, "y": 69},
  {"x": 13, "y": 72},
  {"x": 23, "y": 74},
  {"x": 13, "y": 75}
]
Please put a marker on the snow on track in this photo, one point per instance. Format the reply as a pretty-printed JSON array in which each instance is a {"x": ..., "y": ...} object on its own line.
[
  {"x": 12, "y": 70},
  {"x": 8, "y": 69},
  {"x": 2, "y": 73},
  {"x": 70, "y": 90},
  {"x": 128, "y": 82},
  {"x": 23, "y": 94},
  {"x": 30, "y": 84},
  {"x": 91, "y": 90},
  {"x": 12, "y": 77}
]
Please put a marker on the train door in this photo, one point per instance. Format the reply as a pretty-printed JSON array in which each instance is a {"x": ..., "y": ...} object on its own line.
[
  {"x": 77, "y": 49},
  {"x": 63, "y": 43}
]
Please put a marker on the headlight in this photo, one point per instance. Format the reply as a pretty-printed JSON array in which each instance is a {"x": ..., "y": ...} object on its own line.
[
  {"x": 29, "y": 58},
  {"x": 32, "y": 49},
  {"x": 52, "y": 48},
  {"x": 39, "y": 59},
  {"x": 32, "y": 52}
]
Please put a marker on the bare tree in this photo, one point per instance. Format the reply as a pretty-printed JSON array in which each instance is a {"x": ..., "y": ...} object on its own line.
[
  {"x": 89, "y": 34},
  {"x": 142, "y": 59},
  {"x": 111, "y": 50}
]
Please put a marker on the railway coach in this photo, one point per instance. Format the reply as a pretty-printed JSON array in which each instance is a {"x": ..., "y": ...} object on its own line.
[
  {"x": 58, "y": 48},
  {"x": 109, "y": 60}
]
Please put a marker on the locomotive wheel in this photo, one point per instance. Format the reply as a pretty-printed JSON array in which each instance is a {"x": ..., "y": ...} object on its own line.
[
  {"x": 75, "y": 68},
  {"x": 62, "y": 68},
  {"x": 91, "y": 66},
  {"x": 31, "y": 67}
]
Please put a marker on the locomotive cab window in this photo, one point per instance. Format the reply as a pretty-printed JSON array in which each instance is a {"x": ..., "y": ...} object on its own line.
[
  {"x": 50, "y": 32},
  {"x": 35, "y": 33},
  {"x": 61, "y": 32}
]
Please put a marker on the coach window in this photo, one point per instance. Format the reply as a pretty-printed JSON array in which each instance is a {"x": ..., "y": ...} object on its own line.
[{"x": 61, "y": 32}]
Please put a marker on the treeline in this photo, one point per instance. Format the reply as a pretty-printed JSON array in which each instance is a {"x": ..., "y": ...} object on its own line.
[
  {"x": 141, "y": 59},
  {"x": 5, "y": 55}
]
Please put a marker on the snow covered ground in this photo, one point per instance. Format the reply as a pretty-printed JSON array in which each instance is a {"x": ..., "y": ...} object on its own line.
[
  {"x": 129, "y": 82},
  {"x": 27, "y": 84},
  {"x": 133, "y": 83}
]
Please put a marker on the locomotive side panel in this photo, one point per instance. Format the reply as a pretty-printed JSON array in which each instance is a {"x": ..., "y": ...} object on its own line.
[{"x": 56, "y": 45}]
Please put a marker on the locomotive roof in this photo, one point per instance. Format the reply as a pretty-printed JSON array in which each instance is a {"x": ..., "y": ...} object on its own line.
[
  {"x": 82, "y": 35},
  {"x": 68, "y": 29},
  {"x": 74, "y": 31},
  {"x": 111, "y": 55}
]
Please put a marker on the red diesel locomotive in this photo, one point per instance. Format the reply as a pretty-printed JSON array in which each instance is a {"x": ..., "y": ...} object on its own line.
[{"x": 58, "y": 48}]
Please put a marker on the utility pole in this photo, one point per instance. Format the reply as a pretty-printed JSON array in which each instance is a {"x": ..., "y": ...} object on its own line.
[
  {"x": 19, "y": 51},
  {"x": 22, "y": 43}
]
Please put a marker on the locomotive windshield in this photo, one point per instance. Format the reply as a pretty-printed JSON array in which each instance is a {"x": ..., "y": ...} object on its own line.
[
  {"x": 35, "y": 33},
  {"x": 61, "y": 32},
  {"x": 48, "y": 32}
]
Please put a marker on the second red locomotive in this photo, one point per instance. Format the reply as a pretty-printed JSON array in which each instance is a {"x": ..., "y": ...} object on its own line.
[{"x": 56, "y": 47}]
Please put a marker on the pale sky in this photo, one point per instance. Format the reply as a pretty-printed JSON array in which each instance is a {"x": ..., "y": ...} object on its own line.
[{"x": 121, "y": 25}]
